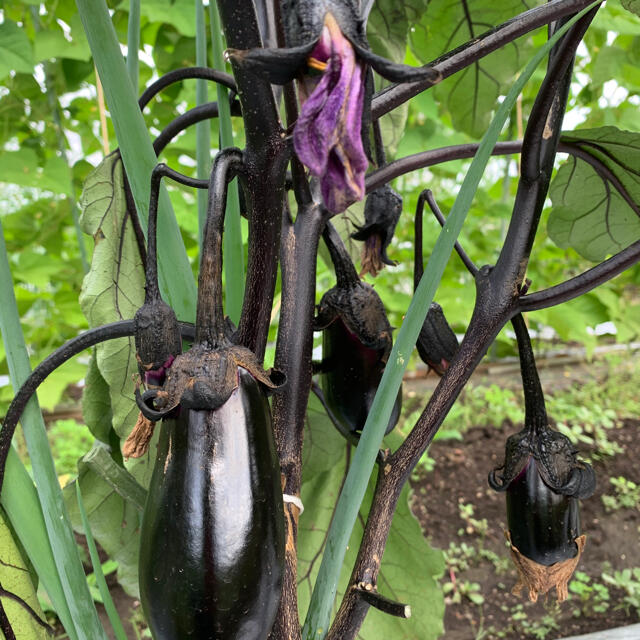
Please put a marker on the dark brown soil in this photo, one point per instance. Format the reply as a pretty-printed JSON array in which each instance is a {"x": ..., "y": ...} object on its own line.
[{"x": 460, "y": 473}]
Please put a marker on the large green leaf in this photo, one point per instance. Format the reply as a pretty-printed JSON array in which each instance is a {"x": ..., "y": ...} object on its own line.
[
  {"x": 589, "y": 214},
  {"x": 114, "y": 287},
  {"x": 15, "y": 578},
  {"x": 113, "y": 502},
  {"x": 96, "y": 404},
  {"x": 632, "y": 5},
  {"x": 410, "y": 567},
  {"x": 471, "y": 95},
  {"x": 16, "y": 53}
]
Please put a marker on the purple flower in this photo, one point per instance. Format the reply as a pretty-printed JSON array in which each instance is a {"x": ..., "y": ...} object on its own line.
[{"x": 327, "y": 137}]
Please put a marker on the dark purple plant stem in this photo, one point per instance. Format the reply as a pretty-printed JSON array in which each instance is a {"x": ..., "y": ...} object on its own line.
[
  {"x": 299, "y": 246},
  {"x": 189, "y": 118},
  {"x": 5, "y": 625},
  {"x": 266, "y": 156},
  {"x": 472, "y": 51},
  {"x": 188, "y": 73},
  {"x": 535, "y": 412},
  {"x": 497, "y": 295},
  {"x": 582, "y": 283},
  {"x": 210, "y": 324},
  {"x": 427, "y": 195}
]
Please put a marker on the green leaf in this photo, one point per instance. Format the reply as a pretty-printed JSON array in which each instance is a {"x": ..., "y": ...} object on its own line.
[
  {"x": 471, "y": 95},
  {"x": 589, "y": 214},
  {"x": 19, "y": 167},
  {"x": 98, "y": 574},
  {"x": 178, "y": 13},
  {"x": 16, "y": 53},
  {"x": 632, "y": 5},
  {"x": 15, "y": 578},
  {"x": 114, "y": 519},
  {"x": 52, "y": 43},
  {"x": 114, "y": 287},
  {"x": 410, "y": 567},
  {"x": 96, "y": 404}
]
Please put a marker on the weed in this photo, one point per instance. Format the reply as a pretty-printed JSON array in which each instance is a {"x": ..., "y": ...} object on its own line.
[
  {"x": 629, "y": 581},
  {"x": 472, "y": 525},
  {"x": 455, "y": 590},
  {"x": 627, "y": 495},
  {"x": 592, "y": 598}
]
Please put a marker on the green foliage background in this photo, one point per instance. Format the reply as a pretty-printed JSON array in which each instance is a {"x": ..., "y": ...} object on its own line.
[{"x": 51, "y": 143}]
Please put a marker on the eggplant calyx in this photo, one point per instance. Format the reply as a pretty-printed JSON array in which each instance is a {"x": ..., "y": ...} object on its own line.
[
  {"x": 204, "y": 378},
  {"x": 362, "y": 312},
  {"x": 556, "y": 458},
  {"x": 539, "y": 579}
]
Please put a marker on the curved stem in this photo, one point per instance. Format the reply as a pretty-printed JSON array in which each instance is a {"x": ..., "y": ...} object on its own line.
[
  {"x": 427, "y": 195},
  {"x": 189, "y": 118},
  {"x": 582, "y": 283},
  {"x": 5, "y": 625},
  {"x": 152, "y": 289},
  {"x": 90, "y": 338},
  {"x": 346, "y": 273},
  {"x": 472, "y": 51},
  {"x": 210, "y": 326},
  {"x": 535, "y": 412},
  {"x": 188, "y": 73}
]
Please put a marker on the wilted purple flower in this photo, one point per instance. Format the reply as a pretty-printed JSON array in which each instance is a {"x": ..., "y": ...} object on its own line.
[{"x": 327, "y": 136}]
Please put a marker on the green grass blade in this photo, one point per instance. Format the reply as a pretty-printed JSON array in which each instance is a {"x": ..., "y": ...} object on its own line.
[
  {"x": 203, "y": 129},
  {"x": 112, "y": 614},
  {"x": 232, "y": 240},
  {"x": 319, "y": 613},
  {"x": 133, "y": 43},
  {"x": 20, "y": 502},
  {"x": 61, "y": 539},
  {"x": 176, "y": 279}
]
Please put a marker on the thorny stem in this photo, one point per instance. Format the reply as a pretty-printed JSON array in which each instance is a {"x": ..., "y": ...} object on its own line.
[
  {"x": 210, "y": 325},
  {"x": 394, "y": 95},
  {"x": 496, "y": 302},
  {"x": 535, "y": 412}
]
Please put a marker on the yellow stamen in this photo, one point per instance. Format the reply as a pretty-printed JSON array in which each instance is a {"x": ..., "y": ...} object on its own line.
[{"x": 316, "y": 64}]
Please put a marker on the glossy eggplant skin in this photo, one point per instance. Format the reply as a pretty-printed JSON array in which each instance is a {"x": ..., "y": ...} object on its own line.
[
  {"x": 543, "y": 524},
  {"x": 351, "y": 375},
  {"x": 212, "y": 555}
]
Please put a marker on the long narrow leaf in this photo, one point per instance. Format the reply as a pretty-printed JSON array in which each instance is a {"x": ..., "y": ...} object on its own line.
[
  {"x": 203, "y": 129},
  {"x": 133, "y": 43},
  {"x": 318, "y": 616},
  {"x": 176, "y": 279},
  {"x": 61, "y": 539},
  {"x": 112, "y": 614},
  {"x": 232, "y": 240},
  {"x": 20, "y": 501}
]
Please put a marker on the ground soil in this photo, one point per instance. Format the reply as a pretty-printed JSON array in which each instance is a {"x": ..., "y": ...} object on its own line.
[{"x": 460, "y": 473}]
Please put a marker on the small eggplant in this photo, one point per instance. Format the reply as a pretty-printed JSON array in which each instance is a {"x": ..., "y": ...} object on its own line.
[
  {"x": 356, "y": 343},
  {"x": 543, "y": 480},
  {"x": 437, "y": 343},
  {"x": 382, "y": 211}
]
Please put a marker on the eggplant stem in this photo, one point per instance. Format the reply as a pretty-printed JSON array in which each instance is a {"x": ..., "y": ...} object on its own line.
[
  {"x": 535, "y": 411},
  {"x": 210, "y": 325},
  {"x": 346, "y": 274},
  {"x": 386, "y": 605}
]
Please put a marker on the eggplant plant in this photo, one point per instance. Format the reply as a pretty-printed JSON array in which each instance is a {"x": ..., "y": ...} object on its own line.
[{"x": 215, "y": 491}]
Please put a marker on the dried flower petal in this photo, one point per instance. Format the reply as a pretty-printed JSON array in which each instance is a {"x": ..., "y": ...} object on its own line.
[{"x": 327, "y": 136}]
